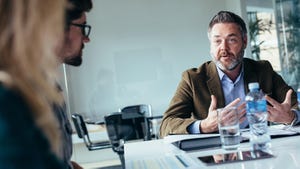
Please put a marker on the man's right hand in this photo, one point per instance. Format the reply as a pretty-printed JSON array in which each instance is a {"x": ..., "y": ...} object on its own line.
[{"x": 210, "y": 124}]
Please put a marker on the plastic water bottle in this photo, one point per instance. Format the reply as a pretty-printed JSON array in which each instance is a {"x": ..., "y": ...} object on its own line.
[{"x": 257, "y": 116}]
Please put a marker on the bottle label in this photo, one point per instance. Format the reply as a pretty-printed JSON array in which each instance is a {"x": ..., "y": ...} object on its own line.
[{"x": 256, "y": 106}]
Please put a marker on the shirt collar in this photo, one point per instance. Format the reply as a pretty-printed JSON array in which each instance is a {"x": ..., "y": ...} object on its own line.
[{"x": 223, "y": 75}]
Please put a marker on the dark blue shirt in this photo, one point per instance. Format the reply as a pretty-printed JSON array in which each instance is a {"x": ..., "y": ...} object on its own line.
[
  {"x": 22, "y": 143},
  {"x": 65, "y": 130}
]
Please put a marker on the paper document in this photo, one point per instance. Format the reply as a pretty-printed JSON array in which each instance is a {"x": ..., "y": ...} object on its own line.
[
  {"x": 178, "y": 137},
  {"x": 278, "y": 131},
  {"x": 160, "y": 162},
  {"x": 284, "y": 129}
]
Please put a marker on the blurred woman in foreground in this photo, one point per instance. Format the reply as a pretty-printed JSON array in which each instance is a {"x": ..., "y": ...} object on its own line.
[{"x": 29, "y": 33}]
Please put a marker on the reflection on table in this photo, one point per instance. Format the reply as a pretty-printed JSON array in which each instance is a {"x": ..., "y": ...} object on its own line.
[{"x": 162, "y": 154}]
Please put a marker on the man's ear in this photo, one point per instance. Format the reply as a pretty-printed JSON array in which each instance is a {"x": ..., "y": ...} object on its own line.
[{"x": 245, "y": 41}]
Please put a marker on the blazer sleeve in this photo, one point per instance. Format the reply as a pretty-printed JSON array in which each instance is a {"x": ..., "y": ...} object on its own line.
[
  {"x": 177, "y": 117},
  {"x": 280, "y": 89}
]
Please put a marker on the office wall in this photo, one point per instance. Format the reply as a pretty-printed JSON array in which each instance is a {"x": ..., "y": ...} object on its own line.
[{"x": 138, "y": 50}]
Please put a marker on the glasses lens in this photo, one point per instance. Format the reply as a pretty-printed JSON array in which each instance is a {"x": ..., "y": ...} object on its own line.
[
  {"x": 84, "y": 28},
  {"x": 85, "y": 31}
]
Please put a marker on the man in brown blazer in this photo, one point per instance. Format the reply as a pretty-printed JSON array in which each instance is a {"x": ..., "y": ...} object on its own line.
[{"x": 224, "y": 81}]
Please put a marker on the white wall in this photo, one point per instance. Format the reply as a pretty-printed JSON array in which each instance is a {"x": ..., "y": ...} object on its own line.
[{"x": 138, "y": 50}]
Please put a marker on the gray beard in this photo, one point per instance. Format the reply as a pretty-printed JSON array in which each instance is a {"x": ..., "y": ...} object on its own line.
[{"x": 233, "y": 65}]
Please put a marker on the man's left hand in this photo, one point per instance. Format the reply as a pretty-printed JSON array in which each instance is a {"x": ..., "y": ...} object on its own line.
[{"x": 281, "y": 112}]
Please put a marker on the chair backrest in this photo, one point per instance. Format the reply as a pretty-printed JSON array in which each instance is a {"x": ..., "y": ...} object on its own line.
[
  {"x": 122, "y": 126},
  {"x": 119, "y": 126},
  {"x": 116, "y": 133},
  {"x": 79, "y": 125},
  {"x": 114, "y": 128},
  {"x": 140, "y": 110},
  {"x": 139, "y": 115},
  {"x": 81, "y": 129},
  {"x": 82, "y": 132}
]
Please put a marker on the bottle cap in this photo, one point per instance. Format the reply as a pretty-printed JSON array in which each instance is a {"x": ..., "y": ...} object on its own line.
[{"x": 253, "y": 85}]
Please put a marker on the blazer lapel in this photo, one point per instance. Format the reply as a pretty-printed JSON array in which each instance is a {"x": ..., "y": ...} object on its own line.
[{"x": 249, "y": 74}]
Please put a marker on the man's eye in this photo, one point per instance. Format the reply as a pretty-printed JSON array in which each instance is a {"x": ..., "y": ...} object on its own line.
[
  {"x": 217, "y": 41},
  {"x": 232, "y": 40}
]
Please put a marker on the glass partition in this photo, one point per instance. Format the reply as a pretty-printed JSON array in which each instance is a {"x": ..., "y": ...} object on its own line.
[
  {"x": 288, "y": 30},
  {"x": 274, "y": 35}
]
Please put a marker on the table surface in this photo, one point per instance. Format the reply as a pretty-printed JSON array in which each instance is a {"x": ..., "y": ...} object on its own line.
[{"x": 161, "y": 154}]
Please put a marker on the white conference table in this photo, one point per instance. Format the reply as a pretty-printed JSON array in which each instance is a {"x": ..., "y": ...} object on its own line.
[{"x": 161, "y": 154}]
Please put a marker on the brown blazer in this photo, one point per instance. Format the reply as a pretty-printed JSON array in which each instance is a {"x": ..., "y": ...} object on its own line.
[{"x": 193, "y": 95}]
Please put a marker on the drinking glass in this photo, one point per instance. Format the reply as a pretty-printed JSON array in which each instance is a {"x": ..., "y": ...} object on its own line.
[{"x": 229, "y": 129}]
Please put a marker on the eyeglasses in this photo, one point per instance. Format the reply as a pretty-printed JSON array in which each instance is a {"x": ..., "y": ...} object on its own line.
[{"x": 86, "y": 29}]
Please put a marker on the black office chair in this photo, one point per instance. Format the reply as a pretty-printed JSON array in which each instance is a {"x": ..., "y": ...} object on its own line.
[
  {"x": 82, "y": 132},
  {"x": 125, "y": 126},
  {"x": 140, "y": 114}
]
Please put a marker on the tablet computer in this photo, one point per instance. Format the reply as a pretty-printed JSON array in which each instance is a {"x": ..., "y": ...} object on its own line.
[
  {"x": 238, "y": 156},
  {"x": 202, "y": 143}
]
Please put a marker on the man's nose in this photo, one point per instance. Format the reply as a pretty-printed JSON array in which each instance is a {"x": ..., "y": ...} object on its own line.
[
  {"x": 86, "y": 39},
  {"x": 224, "y": 45}
]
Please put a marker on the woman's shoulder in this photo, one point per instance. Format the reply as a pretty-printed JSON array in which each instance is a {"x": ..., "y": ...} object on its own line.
[
  {"x": 18, "y": 132},
  {"x": 6, "y": 89},
  {"x": 10, "y": 97},
  {"x": 14, "y": 110}
]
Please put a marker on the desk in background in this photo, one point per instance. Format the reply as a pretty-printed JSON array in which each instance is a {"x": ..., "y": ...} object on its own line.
[{"x": 161, "y": 154}]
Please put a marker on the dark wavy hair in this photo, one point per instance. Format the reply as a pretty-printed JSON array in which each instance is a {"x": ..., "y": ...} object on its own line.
[
  {"x": 75, "y": 9},
  {"x": 228, "y": 17}
]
